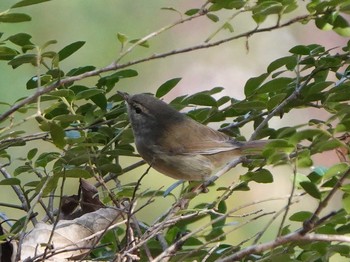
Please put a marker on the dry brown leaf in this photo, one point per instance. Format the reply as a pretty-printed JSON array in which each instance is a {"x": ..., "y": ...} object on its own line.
[
  {"x": 89, "y": 197},
  {"x": 74, "y": 237}
]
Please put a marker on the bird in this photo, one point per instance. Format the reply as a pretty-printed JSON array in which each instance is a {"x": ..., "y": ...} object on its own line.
[{"x": 178, "y": 146}]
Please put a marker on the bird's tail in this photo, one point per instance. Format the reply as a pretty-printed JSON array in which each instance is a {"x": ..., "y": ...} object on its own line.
[{"x": 254, "y": 147}]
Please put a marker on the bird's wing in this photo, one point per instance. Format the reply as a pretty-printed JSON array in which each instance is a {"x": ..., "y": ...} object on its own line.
[{"x": 195, "y": 138}]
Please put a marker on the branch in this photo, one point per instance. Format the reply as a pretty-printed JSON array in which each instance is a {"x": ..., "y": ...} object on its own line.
[
  {"x": 302, "y": 233},
  {"x": 310, "y": 224},
  {"x": 115, "y": 66},
  {"x": 280, "y": 107},
  {"x": 18, "y": 190},
  {"x": 292, "y": 237}
]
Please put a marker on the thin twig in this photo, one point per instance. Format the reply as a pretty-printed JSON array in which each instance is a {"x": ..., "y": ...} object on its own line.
[
  {"x": 111, "y": 176},
  {"x": 289, "y": 202},
  {"x": 17, "y": 189},
  {"x": 130, "y": 216},
  {"x": 47, "y": 249}
]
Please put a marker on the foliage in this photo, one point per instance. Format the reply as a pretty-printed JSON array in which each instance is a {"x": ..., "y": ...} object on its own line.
[{"x": 88, "y": 126}]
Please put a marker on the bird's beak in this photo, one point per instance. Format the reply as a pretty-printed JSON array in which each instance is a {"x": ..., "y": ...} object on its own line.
[{"x": 124, "y": 95}]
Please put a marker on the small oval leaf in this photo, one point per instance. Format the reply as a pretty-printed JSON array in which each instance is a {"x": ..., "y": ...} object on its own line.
[
  {"x": 167, "y": 86},
  {"x": 10, "y": 182},
  {"x": 70, "y": 49},
  {"x": 57, "y": 135},
  {"x": 311, "y": 189}
]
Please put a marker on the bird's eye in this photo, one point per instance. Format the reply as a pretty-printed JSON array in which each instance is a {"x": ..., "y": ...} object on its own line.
[{"x": 138, "y": 110}]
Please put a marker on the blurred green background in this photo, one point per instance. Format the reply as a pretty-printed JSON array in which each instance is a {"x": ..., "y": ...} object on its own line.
[{"x": 229, "y": 65}]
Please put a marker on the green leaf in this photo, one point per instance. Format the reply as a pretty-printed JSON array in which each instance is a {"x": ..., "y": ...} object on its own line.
[
  {"x": 18, "y": 225},
  {"x": 23, "y": 59},
  {"x": 227, "y": 4},
  {"x": 311, "y": 189},
  {"x": 86, "y": 94},
  {"x": 23, "y": 169},
  {"x": 275, "y": 101},
  {"x": 70, "y": 49},
  {"x": 316, "y": 88},
  {"x": 28, "y": 2},
  {"x": 75, "y": 173},
  {"x": 49, "y": 54},
  {"x": 201, "y": 99},
  {"x": 338, "y": 97},
  {"x": 57, "y": 135},
  {"x": 125, "y": 73},
  {"x": 143, "y": 43},
  {"x": 68, "y": 118},
  {"x": 326, "y": 145},
  {"x": 192, "y": 241},
  {"x": 167, "y": 87},
  {"x": 46, "y": 158},
  {"x": 110, "y": 168},
  {"x": 301, "y": 178},
  {"x": 10, "y": 181},
  {"x": 343, "y": 126},
  {"x": 323, "y": 23},
  {"x": 171, "y": 9},
  {"x": 100, "y": 100},
  {"x": 304, "y": 159},
  {"x": 67, "y": 93},
  {"x": 259, "y": 176},
  {"x": 80, "y": 70},
  {"x": 48, "y": 43},
  {"x": 249, "y": 105},
  {"x": 21, "y": 39},
  {"x": 228, "y": 27},
  {"x": 34, "y": 83},
  {"x": 289, "y": 62},
  {"x": 7, "y": 53},
  {"x": 217, "y": 226},
  {"x": 275, "y": 85},
  {"x": 110, "y": 80},
  {"x": 308, "y": 134},
  {"x": 300, "y": 50},
  {"x": 341, "y": 26},
  {"x": 192, "y": 12},
  {"x": 122, "y": 38},
  {"x": 213, "y": 17},
  {"x": 336, "y": 170},
  {"x": 31, "y": 154},
  {"x": 253, "y": 84},
  {"x": 265, "y": 8},
  {"x": 14, "y": 18},
  {"x": 346, "y": 203},
  {"x": 301, "y": 216}
]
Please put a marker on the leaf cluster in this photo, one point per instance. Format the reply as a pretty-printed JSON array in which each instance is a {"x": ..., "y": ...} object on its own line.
[{"x": 87, "y": 130}]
